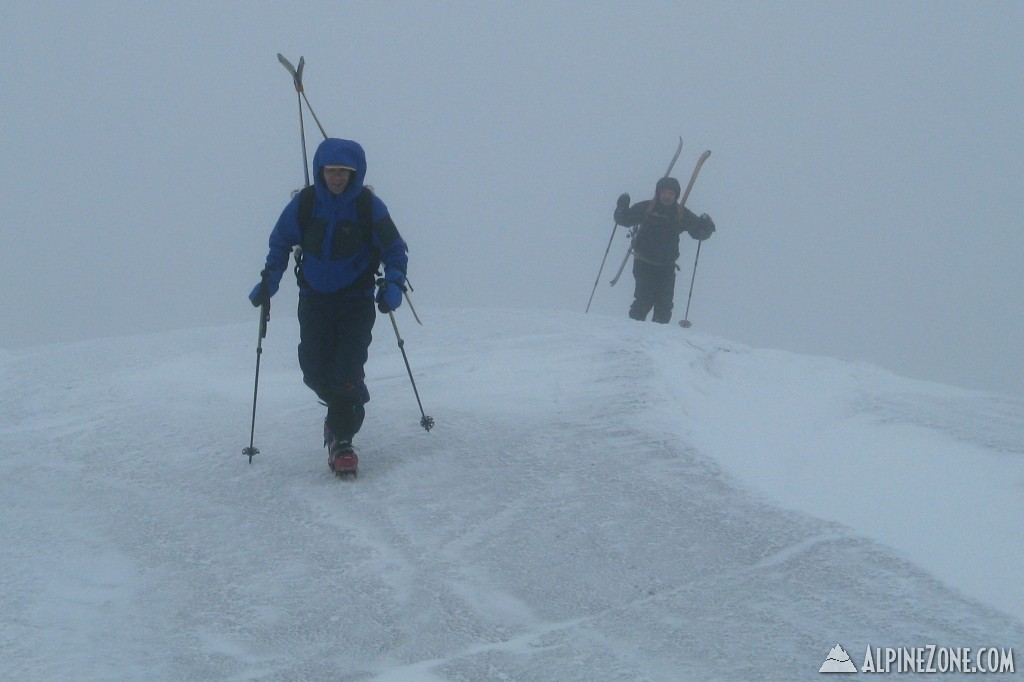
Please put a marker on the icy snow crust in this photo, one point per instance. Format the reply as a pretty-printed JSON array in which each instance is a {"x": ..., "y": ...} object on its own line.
[{"x": 599, "y": 500}]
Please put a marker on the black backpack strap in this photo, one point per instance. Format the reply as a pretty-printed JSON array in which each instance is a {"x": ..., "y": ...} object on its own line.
[
  {"x": 364, "y": 209},
  {"x": 364, "y": 214},
  {"x": 307, "y": 199}
]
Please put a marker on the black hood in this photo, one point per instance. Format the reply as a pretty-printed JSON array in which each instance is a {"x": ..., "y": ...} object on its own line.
[{"x": 668, "y": 183}]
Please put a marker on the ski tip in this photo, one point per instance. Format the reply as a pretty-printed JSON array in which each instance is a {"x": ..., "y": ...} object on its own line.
[{"x": 295, "y": 73}]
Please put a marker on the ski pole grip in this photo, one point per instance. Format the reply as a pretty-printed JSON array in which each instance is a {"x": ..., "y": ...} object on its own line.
[
  {"x": 264, "y": 306},
  {"x": 264, "y": 318}
]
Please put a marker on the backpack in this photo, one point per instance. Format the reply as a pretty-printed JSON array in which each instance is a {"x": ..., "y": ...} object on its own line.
[{"x": 364, "y": 219}]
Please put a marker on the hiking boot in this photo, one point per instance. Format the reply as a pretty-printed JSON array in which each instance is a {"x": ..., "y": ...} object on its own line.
[{"x": 341, "y": 458}]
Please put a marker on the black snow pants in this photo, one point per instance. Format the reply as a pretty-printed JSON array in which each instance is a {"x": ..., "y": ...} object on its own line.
[
  {"x": 334, "y": 341},
  {"x": 655, "y": 288}
]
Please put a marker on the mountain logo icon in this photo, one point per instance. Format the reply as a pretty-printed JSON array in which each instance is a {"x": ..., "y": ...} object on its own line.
[{"x": 838, "y": 661}]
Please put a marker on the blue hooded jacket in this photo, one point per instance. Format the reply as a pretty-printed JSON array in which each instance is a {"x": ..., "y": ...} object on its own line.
[{"x": 335, "y": 254}]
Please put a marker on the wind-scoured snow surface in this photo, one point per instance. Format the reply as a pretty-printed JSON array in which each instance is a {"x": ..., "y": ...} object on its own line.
[{"x": 599, "y": 500}]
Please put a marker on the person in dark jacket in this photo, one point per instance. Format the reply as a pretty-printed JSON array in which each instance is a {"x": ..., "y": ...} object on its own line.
[
  {"x": 659, "y": 224},
  {"x": 341, "y": 252}
]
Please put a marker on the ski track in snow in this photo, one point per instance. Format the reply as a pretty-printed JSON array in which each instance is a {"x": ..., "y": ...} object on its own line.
[{"x": 585, "y": 509}]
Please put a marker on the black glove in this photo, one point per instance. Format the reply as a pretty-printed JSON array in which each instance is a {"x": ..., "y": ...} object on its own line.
[
  {"x": 707, "y": 227},
  {"x": 623, "y": 202}
]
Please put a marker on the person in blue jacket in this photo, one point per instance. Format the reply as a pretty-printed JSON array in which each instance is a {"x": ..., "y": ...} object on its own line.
[{"x": 346, "y": 235}]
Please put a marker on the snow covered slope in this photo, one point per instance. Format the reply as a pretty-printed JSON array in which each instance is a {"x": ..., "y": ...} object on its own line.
[{"x": 599, "y": 500}]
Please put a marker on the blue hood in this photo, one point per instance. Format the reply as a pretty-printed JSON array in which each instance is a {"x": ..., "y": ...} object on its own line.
[
  {"x": 337, "y": 152},
  {"x": 336, "y": 256}
]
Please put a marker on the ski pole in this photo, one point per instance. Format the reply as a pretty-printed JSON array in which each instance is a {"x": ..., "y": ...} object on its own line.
[
  {"x": 685, "y": 322},
  {"x": 264, "y": 318},
  {"x": 426, "y": 422},
  {"x": 598, "y": 279}
]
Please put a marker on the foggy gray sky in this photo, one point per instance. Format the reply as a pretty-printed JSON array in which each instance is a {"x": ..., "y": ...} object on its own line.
[{"x": 866, "y": 176}]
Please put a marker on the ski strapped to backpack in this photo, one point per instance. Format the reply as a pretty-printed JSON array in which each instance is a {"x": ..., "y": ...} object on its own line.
[{"x": 364, "y": 220}]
